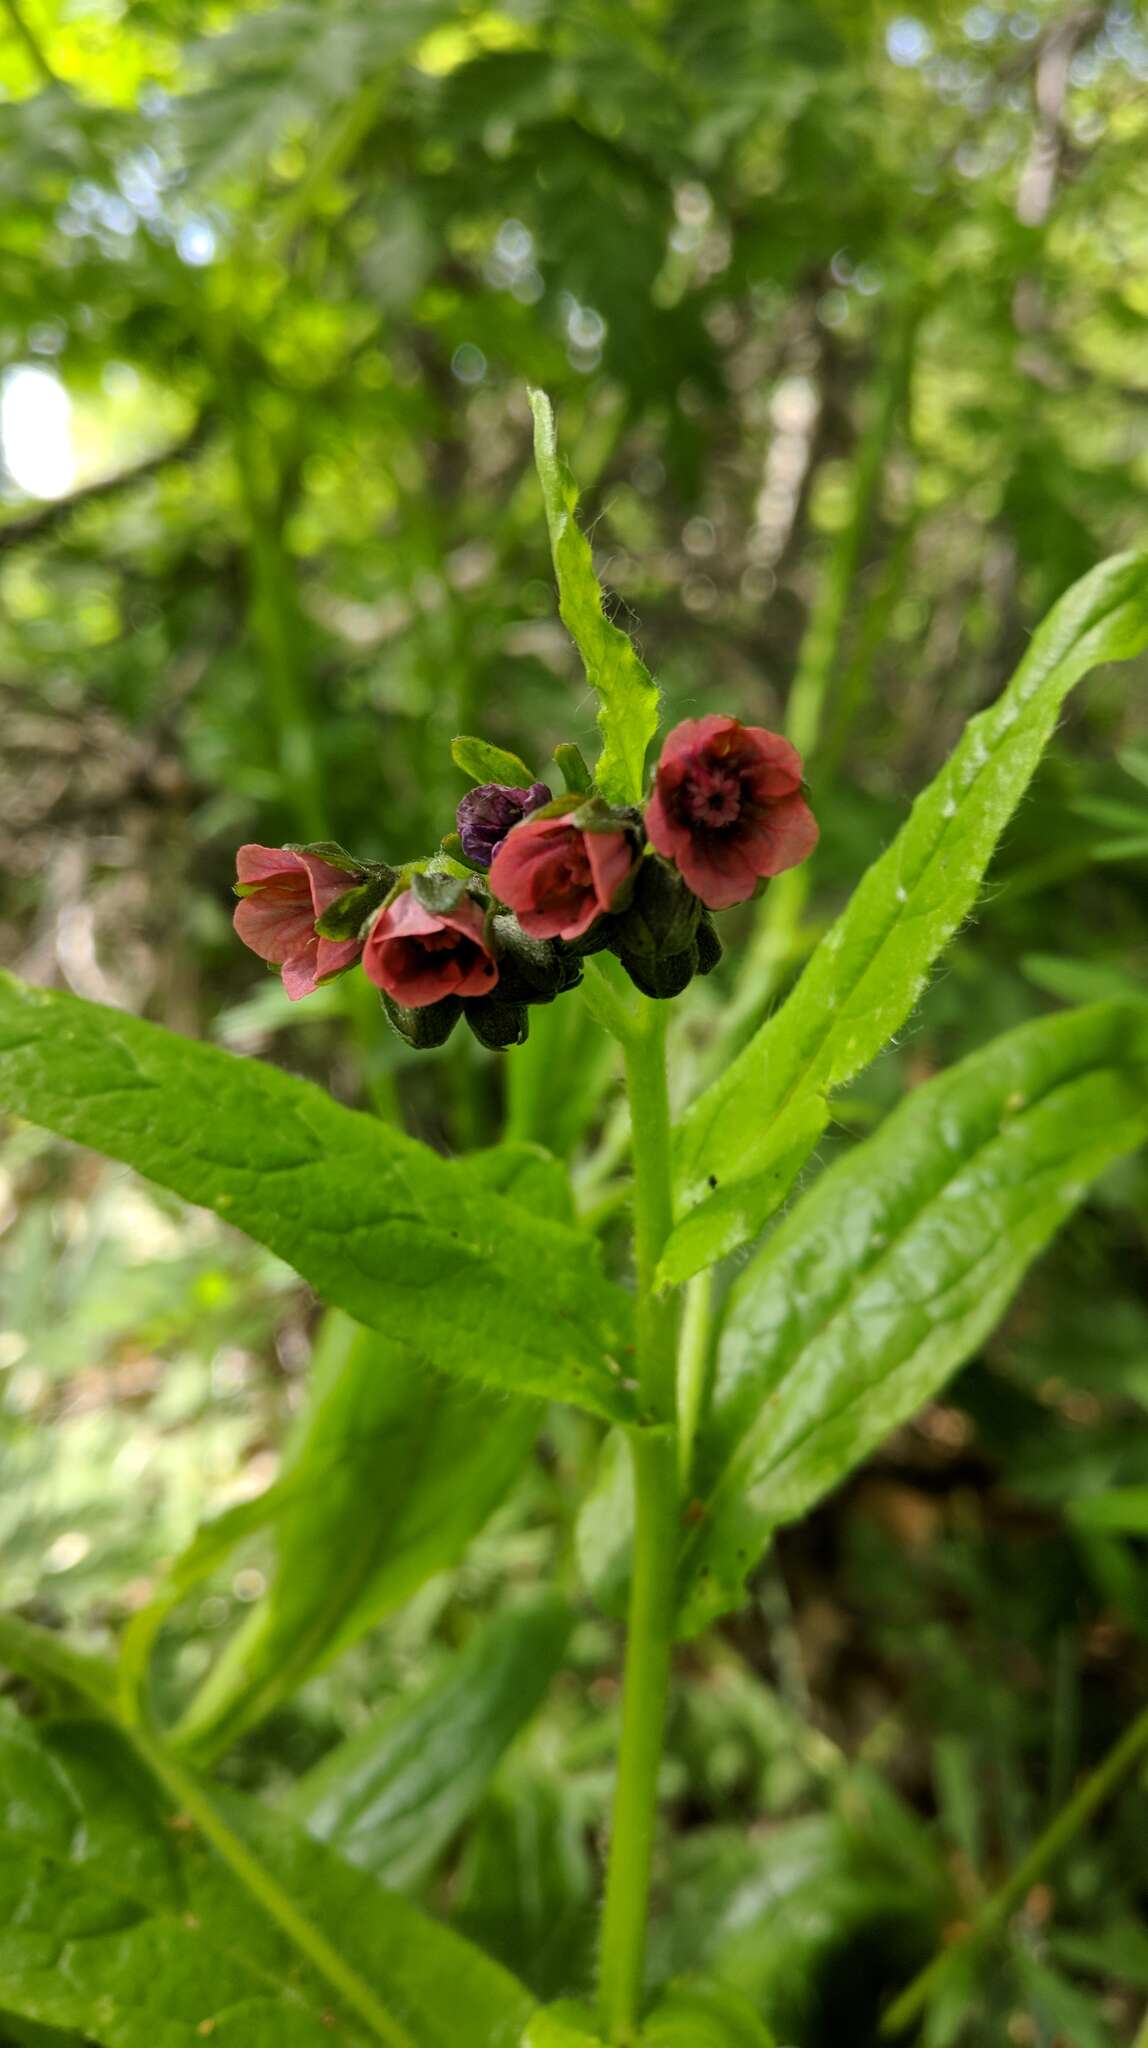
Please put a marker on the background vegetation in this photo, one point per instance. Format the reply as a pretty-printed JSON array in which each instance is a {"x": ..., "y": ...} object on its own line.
[{"x": 845, "y": 316}]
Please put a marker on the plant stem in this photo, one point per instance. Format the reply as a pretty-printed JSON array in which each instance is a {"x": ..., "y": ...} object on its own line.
[
  {"x": 1141, "y": 2040},
  {"x": 1090, "y": 1795},
  {"x": 186, "y": 1789},
  {"x": 655, "y": 1542}
]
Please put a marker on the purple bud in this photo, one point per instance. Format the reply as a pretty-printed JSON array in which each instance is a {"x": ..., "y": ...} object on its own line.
[{"x": 486, "y": 815}]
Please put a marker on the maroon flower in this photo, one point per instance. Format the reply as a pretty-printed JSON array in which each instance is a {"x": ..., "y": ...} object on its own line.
[
  {"x": 727, "y": 807},
  {"x": 418, "y": 956},
  {"x": 485, "y": 816},
  {"x": 283, "y": 893},
  {"x": 559, "y": 879}
]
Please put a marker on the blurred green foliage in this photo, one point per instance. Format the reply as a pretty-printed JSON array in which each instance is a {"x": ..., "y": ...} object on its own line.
[{"x": 844, "y": 312}]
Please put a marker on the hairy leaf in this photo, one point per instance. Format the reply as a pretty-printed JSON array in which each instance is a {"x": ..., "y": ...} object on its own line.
[
  {"x": 895, "y": 1266},
  {"x": 390, "y": 1474},
  {"x": 871, "y": 967},
  {"x": 117, "y": 1919},
  {"x": 391, "y": 1797},
  {"x": 627, "y": 693},
  {"x": 378, "y": 1223}
]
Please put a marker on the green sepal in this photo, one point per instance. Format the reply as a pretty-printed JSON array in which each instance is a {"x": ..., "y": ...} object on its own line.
[
  {"x": 336, "y": 856},
  {"x": 346, "y": 917},
  {"x": 529, "y": 970},
  {"x": 426, "y": 1027},
  {"x": 663, "y": 916},
  {"x": 452, "y": 850},
  {"x": 663, "y": 977},
  {"x": 486, "y": 763},
  {"x": 437, "y": 892},
  {"x": 709, "y": 944},
  {"x": 572, "y": 766},
  {"x": 496, "y": 1024}
]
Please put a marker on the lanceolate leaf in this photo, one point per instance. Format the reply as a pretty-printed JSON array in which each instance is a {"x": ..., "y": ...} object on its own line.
[
  {"x": 406, "y": 1466},
  {"x": 627, "y": 693},
  {"x": 392, "y": 1797},
  {"x": 871, "y": 967},
  {"x": 895, "y": 1266},
  {"x": 117, "y": 1919},
  {"x": 379, "y": 1224},
  {"x": 486, "y": 763}
]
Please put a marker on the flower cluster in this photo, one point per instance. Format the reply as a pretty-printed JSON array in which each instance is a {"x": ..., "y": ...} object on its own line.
[{"x": 539, "y": 883}]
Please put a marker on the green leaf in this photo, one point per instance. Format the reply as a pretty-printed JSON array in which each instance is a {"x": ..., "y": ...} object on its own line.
[
  {"x": 118, "y": 1919},
  {"x": 486, "y": 763},
  {"x": 872, "y": 965},
  {"x": 50, "y": 1661},
  {"x": 565, "y": 2025},
  {"x": 391, "y": 1472},
  {"x": 1123, "y": 1509},
  {"x": 895, "y": 1266},
  {"x": 527, "y": 1174},
  {"x": 700, "y": 2013},
  {"x": 391, "y": 1798},
  {"x": 526, "y": 1886},
  {"x": 380, "y": 1225},
  {"x": 627, "y": 693}
]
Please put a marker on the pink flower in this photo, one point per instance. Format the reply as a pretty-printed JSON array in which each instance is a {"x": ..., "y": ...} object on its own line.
[
  {"x": 283, "y": 894},
  {"x": 559, "y": 879},
  {"x": 727, "y": 807},
  {"x": 419, "y": 956}
]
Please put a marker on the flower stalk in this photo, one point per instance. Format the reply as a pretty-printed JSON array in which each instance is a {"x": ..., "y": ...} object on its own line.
[{"x": 651, "y": 1609}]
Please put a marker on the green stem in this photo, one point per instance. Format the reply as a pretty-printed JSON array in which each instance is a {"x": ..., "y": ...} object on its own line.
[
  {"x": 1141, "y": 2040},
  {"x": 651, "y": 1610},
  {"x": 1091, "y": 1794},
  {"x": 187, "y": 1790}
]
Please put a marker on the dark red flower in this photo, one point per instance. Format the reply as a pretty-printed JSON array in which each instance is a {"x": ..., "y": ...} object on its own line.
[
  {"x": 485, "y": 815},
  {"x": 418, "y": 956},
  {"x": 558, "y": 879},
  {"x": 727, "y": 807},
  {"x": 283, "y": 893}
]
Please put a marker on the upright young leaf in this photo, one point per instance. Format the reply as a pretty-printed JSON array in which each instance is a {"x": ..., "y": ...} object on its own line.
[
  {"x": 627, "y": 693},
  {"x": 871, "y": 967},
  {"x": 484, "y": 762},
  {"x": 380, "y": 1225},
  {"x": 895, "y": 1266},
  {"x": 118, "y": 1920},
  {"x": 391, "y": 1797},
  {"x": 406, "y": 1466}
]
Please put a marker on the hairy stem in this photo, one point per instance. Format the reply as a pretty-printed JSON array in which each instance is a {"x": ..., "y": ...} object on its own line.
[
  {"x": 655, "y": 1543},
  {"x": 1091, "y": 1794}
]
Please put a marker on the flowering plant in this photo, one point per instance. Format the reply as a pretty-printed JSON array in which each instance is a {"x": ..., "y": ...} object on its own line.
[{"x": 730, "y": 1368}]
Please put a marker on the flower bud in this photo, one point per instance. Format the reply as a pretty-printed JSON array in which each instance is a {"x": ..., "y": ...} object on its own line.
[
  {"x": 497, "y": 1025},
  {"x": 485, "y": 815},
  {"x": 426, "y": 1027}
]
